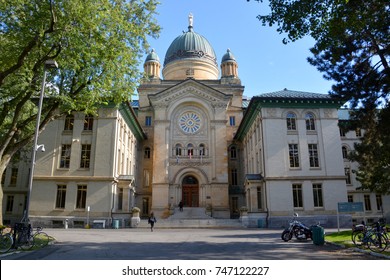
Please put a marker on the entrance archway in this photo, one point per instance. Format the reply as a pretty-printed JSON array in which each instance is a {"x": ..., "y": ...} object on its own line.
[{"x": 190, "y": 191}]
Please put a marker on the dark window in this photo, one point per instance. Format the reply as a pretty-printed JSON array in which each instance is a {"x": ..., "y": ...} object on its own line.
[
  {"x": 147, "y": 152},
  {"x": 14, "y": 176},
  {"x": 10, "y": 204},
  {"x": 345, "y": 152},
  {"x": 88, "y": 122},
  {"x": 69, "y": 122},
  {"x": 347, "y": 171},
  {"x": 310, "y": 122},
  {"x": 297, "y": 195},
  {"x": 313, "y": 155},
  {"x": 293, "y": 155},
  {"x": 65, "y": 156},
  {"x": 148, "y": 121},
  {"x": 85, "y": 156},
  {"x": 232, "y": 120},
  {"x": 367, "y": 202},
  {"x": 233, "y": 152},
  {"x": 234, "y": 178},
  {"x": 291, "y": 121},
  {"x": 81, "y": 196},
  {"x": 61, "y": 195},
  {"x": 317, "y": 195}
]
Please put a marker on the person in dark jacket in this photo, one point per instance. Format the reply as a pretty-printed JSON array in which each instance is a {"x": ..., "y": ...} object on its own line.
[
  {"x": 181, "y": 206},
  {"x": 152, "y": 220}
]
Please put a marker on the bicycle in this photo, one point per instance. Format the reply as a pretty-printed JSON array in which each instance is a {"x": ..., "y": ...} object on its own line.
[
  {"x": 23, "y": 236},
  {"x": 6, "y": 241},
  {"x": 40, "y": 238},
  {"x": 374, "y": 238}
]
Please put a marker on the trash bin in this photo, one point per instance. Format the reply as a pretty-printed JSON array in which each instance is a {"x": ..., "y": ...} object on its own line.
[
  {"x": 260, "y": 223},
  {"x": 318, "y": 235},
  {"x": 115, "y": 224}
]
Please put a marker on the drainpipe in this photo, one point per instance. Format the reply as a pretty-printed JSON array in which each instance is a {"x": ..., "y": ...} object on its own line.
[{"x": 264, "y": 174}]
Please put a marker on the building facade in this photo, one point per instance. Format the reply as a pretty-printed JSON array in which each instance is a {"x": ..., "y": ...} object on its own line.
[{"x": 192, "y": 138}]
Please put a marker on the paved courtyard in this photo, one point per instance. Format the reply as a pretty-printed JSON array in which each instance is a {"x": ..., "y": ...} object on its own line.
[{"x": 181, "y": 244}]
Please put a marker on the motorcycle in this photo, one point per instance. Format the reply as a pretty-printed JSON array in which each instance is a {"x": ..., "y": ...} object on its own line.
[{"x": 297, "y": 229}]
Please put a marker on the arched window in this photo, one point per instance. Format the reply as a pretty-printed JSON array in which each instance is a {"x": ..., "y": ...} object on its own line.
[
  {"x": 147, "y": 152},
  {"x": 233, "y": 152},
  {"x": 291, "y": 121},
  {"x": 310, "y": 124},
  {"x": 178, "y": 150},
  {"x": 190, "y": 150},
  {"x": 202, "y": 150}
]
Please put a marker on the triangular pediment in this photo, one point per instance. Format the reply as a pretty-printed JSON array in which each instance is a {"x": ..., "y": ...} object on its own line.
[{"x": 189, "y": 88}]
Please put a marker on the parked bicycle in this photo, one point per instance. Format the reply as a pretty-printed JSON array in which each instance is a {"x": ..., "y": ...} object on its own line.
[
  {"x": 26, "y": 238},
  {"x": 6, "y": 241},
  {"x": 372, "y": 237}
]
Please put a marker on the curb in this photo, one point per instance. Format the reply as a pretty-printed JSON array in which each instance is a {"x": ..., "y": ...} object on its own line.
[{"x": 378, "y": 255}]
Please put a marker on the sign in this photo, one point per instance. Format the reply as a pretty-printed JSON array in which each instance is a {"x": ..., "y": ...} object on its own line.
[{"x": 345, "y": 207}]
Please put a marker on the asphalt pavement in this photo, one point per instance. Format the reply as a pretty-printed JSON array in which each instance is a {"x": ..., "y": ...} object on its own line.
[{"x": 181, "y": 244}]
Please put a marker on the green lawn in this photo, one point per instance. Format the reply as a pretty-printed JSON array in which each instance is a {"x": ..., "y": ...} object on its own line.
[{"x": 344, "y": 238}]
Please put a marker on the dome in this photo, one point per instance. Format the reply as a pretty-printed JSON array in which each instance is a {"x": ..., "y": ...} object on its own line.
[
  {"x": 228, "y": 56},
  {"x": 190, "y": 55},
  {"x": 152, "y": 56},
  {"x": 190, "y": 45}
]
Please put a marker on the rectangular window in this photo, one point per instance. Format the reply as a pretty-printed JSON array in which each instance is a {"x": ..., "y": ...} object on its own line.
[
  {"x": 297, "y": 196},
  {"x": 145, "y": 206},
  {"x": 293, "y": 155},
  {"x": 358, "y": 132},
  {"x": 342, "y": 132},
  {"x": 232, "y": 120},
  {"x": 148, "y": 121},
  {"x": 65, "y": 156},
  {"x": 259, "y": 199},
  {"x": 313, "y": 155},
  {"x": 81, "y": 196},
  {"x": 88, "y": 123},
  {"x": 347, "y": 171},
  {"x": 233, "y": 174},
  {"x": 146, "y": 178},
  {"x": 367, "y": 202},
  {"x": 379, "y": 202},
  {"x": 14, "y": 176},
  {"x": 61, "y": 195},
  {"x": 317, "y": 195},
  {"x": 350, "y": 198},
  {"x": 120, "y": 199},
  {"x": 10, "y": 204},
  {"x": 69, "y": 122},
  {"x": 85, "y": 156}
]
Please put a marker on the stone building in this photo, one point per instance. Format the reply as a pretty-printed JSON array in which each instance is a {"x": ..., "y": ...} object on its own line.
[{"x": 191, "y": 136}]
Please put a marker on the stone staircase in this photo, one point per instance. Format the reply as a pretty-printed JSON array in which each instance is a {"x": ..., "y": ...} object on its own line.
[{"x": 194, "y": 217}]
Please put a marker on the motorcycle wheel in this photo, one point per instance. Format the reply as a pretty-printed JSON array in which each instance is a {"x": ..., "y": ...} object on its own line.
[{"x": 286, "y": 236}]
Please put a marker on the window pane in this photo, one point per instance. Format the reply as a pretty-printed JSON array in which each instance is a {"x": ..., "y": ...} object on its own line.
[
  {"x": 293, "y": 155},
  {"x": 291, "y": 118},
  {"x": 313, "y": 155},
  {"x": 61, "y": 195},
  {"x": 88, "y": 122},
  {"x": 85, "y": 156},
  {"x": 297, "y": 196},
  {"x": 317, "y": 195},
  {"x": 310, "y": 124},
  {"x": 81, "y": 197},
  {"x": 69, "y": 122},
  {"x": 65, "y": 156}
]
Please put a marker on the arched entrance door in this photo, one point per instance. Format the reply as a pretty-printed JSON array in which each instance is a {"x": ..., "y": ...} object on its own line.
[{"x": 190, "y": 192}]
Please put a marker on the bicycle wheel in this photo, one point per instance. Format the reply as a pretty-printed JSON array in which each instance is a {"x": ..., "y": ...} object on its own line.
[
  {"x": 26, "y": 242},
  {"x": 377, "y": 242},
  {"x": 358, "y": 239},
  {"x": 41, "y": 239},
  {"x": 6, "y": 242}
]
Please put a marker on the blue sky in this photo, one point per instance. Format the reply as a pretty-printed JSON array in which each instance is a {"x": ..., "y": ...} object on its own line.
[{"x": 265, "y": 63}]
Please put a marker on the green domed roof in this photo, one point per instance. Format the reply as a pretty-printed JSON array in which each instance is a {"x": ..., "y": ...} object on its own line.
[
  {"x": 228, "y": 56},
  {"x": 190, "y": 45},
  {"x": 152, "y": 56}
]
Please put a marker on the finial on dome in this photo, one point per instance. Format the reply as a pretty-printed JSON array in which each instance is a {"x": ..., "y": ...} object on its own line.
[{"x": 190, "y": 21}]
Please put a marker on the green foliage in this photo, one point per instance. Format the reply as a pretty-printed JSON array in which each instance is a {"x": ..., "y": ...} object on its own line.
[
  {"x": 97, "y": 45},
  {"x": 352, "y": 49}
]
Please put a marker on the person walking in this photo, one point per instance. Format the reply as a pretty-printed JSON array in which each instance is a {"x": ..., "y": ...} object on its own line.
[
  {"x": 181, "y": 206},
  {"x": 152, "y": 220}
]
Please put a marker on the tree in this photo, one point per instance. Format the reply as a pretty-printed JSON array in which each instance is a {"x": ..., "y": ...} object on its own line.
[
  {"x": 97, "y": 44},
  {"x": 352, "y": 49}
]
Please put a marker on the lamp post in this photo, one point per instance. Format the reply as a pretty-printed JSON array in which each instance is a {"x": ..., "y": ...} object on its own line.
[{"x": 49, "y": 64}]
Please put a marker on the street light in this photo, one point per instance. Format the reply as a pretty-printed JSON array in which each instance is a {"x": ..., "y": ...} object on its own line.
[{"x": 49, "y": 64}]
